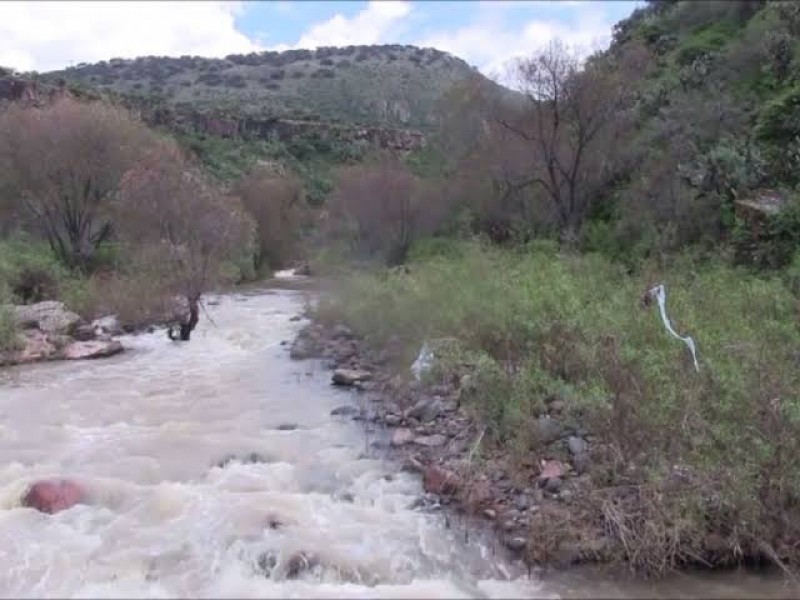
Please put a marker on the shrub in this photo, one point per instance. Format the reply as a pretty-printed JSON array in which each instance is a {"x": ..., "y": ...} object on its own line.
[
  {"x": 29, "y": 272},
  {"x": 277, "y": 206},
  {"x": 526, "y": 326},
  {"x": 8, "y": 330},
  {"x": 381, "y": 209}
]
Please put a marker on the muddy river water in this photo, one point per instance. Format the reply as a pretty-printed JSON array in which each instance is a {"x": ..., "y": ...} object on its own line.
[{"x": 213, "y": 467}]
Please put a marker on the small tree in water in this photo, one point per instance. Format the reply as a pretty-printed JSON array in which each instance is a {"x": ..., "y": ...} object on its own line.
[{"x": 183, "y": 228}]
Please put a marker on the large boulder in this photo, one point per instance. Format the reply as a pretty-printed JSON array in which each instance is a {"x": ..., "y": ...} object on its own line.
[
  {"x": 348, "y": 377},
  {"x": 92, "y": 349},
  {"x": 50, "y": 316},
  {"x": 53, "y": 495}
]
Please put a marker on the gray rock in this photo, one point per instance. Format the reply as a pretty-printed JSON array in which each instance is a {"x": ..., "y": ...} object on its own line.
[
  {"x": 582, "y": 463},
  {"x": 565, "y": 496},
  {"x": 84, "y": 332},
  {"x": 522, "y": 502},
  {"x": 425, "y": 410},
  {"x": 342, "y": 332},
  {"x": 348, "y": 377},
  {"x": 490, "y": 514},
  {"x": 345, "y": 411},
  {"x": 549, "y": 429},
  {"x": 431, "y": 441},
  {"x": 554, "y": 485},
  {"x": 302, "y": 348},
  {"x": 51, "y": 317},
  {"x": 516, "y": 543},
  {"x": 108, "y": 325},
  {"x": 392, "y": 420},
  {"x": 576, "y": 445},
  {"x": 412, "y": 465},
  {"x": 286, "y": 427}
]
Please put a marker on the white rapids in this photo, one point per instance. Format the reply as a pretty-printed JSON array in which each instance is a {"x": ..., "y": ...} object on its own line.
[{"x": 146, "y": 433}]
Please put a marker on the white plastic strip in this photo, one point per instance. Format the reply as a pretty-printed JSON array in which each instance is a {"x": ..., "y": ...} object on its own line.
[
  {"x": 424, "y": 361},
  {"x": 660, "y": 293}
]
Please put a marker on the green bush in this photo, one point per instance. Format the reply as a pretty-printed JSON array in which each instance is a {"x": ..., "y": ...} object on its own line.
[
  {"x": 526, "y": 326},
  {"x": 778, "y": 121},
  {"x": 704, "y": 41},
  {"x": 8, "y": 330},
  {"x": 29, "y": 271}
]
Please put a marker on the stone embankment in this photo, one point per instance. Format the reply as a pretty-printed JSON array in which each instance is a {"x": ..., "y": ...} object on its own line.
[{"x": 432, "y": 433}]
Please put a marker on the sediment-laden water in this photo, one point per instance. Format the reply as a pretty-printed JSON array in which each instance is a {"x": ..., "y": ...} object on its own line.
[{"x": 214, "y": 469}]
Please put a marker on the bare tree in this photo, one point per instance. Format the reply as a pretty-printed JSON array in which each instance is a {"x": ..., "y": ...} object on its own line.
[
  {"x": 568, "y": 127},
  {"x": 277, "y": 205},
  {"x": 182, "y": 226},
  {"x": 63, "y": 163},
  {"x": 382, "y": 208}
]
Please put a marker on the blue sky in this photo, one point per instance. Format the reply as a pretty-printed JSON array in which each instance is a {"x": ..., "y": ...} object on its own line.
[{"x": 47, "y": 35}]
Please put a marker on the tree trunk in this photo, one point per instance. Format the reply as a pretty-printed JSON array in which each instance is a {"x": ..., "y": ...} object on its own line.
[{"x": 189, "y": 322}]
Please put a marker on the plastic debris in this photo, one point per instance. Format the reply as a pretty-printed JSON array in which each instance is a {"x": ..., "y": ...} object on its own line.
[
  {"x": 660, "y": 294},
  {"x": 423, "y": 363}
]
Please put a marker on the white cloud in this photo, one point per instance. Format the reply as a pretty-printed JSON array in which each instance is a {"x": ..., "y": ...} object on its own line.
[
  {"x": 51, "y": 35},
  {"x": 372, "y": 25},
  {"x": 491, "y": 44}
]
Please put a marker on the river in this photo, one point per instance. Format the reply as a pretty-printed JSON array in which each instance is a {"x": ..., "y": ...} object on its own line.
[{"x": 150, "y": 434}]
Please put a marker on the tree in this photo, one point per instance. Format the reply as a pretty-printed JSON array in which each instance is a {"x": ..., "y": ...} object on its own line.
[
  {"x": 568, "y": 125},
  {"x": 63, "y": 163},
  {"x": 383, "y": 208},
  {"x": 277, "y": 205},
  {"x": 182, "y": 226}
]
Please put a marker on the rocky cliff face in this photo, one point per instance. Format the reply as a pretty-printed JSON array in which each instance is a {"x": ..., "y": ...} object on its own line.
[
  {"x": 185, "y": 120},
  {"x": 284, "y": 130},
  {"x": 30, "y": 93}
]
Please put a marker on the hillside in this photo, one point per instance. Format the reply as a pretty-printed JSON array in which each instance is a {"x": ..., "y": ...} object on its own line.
[
  {"x": 715, "y": 126},
  {"x": 392, "y": 85}
]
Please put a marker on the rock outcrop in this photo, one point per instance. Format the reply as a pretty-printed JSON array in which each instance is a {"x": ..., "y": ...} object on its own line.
[
  {"x": 51, "y": 317},
  {"x": 49, "y": 331}
]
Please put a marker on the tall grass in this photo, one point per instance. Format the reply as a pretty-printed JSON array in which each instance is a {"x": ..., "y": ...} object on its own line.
[{"x": 534, "y": 324}]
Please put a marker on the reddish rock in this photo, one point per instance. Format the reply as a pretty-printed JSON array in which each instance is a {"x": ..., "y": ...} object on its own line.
[
  {"x": 52, "y": 496},
  {"x": 437, "y": 480},
  {"x": 552, "y": 469}
]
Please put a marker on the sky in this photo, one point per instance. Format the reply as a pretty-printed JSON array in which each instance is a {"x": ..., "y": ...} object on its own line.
[{"x": 47, "y": 35}]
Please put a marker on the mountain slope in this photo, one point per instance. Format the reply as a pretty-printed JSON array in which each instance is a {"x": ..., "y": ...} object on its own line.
[{"x": 395, "y": 86}]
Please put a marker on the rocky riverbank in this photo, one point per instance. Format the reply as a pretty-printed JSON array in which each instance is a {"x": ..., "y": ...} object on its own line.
[
  {"x": 49, "y": 331},
  {"x": 533, "y": 503}
]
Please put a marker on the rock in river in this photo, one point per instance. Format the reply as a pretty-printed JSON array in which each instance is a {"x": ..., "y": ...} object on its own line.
[
  {"x": 92, "y": 349},
  {"x": 347, "y": 377},
  {"x": 51, "y": 496}
]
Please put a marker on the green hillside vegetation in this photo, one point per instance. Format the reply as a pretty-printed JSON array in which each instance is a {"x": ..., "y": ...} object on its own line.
[
  {"x": 671, "y": 157},
  {"x": 388, "y": 85}
]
